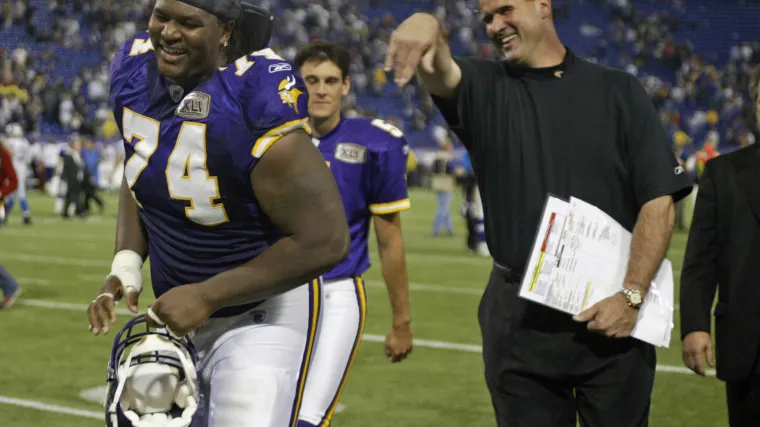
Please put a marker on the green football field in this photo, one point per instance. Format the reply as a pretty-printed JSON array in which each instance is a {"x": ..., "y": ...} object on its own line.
[{"x": 51, "y": 367}]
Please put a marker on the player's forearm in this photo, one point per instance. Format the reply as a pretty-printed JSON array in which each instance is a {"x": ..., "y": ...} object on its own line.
[
  {"x": 129, "y": 232},
  {"x": 443, "y": 82},
  {"x": 287, "y": 264},
  {"x": 393, "y": 262},
  {"x": 649, "y": 242}
]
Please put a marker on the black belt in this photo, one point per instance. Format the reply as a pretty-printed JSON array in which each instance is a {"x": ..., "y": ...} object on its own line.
[
  {"x": 235, "y": 310},
  {"x": 507, "y": 273}
]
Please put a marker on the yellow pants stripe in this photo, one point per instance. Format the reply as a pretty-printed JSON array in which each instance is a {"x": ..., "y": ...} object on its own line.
[
  {"x": 361, "y": 297},
  {"x": 315, "y": 296}
]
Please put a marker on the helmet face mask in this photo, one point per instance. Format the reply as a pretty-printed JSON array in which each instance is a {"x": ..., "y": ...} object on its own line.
[{"x": 153, "y": 378}]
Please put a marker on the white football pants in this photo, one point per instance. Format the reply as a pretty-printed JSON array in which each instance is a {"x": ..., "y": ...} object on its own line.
[
  {"x": 21, "y": 174},
  {"x": 253, "y": 365},
  {"x": 343, "y": 317}
]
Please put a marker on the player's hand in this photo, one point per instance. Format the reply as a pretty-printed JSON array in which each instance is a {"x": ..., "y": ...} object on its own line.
[
  {"x": 398, "y": 343},
  {"x": 412, "y": 44},
  {"x": 696, "y": 347},
  {"x": 611, "y": 316},
  {"x": 181, "y": 310},
  {"x": 102, "y": 310}
]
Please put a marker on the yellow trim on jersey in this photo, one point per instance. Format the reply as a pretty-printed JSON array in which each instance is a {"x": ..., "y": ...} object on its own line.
[
  {"x": 316, "y": 295},
  {"x": 362, "y": 294},
  {"x": 273, "y": 135},
  {"x": 390, "y": 207}
]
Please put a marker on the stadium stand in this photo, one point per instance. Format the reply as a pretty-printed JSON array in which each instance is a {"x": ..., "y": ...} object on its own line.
[{"x": 694, "y": 62}]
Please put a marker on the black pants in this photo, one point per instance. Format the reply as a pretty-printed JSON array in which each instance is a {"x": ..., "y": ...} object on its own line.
[
  {"x": 73, "y": 197},
  {"x": 91, "y": 193},
  {"x": 542, "y": 368},
  {"x": 744, "y": 402}
]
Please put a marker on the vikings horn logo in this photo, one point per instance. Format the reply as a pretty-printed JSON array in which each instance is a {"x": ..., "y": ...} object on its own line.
[{"x": 289, "y": 93}]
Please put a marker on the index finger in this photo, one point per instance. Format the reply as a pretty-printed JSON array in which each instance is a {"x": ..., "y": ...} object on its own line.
[
  {"x": 93, "y": 318},
  {"x": 695, "y": 363},
  {"x": 390, "y": 56},
  {"x": 97, "y": 314},
  {"x": 104, "y": 309},
  {"x": 406, "y": 66}
]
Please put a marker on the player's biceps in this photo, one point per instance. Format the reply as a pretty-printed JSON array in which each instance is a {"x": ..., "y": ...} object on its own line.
[{"x": 296, "y": 188}]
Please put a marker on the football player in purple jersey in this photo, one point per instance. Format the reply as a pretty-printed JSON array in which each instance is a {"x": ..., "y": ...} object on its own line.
[
  {"x": 225, "y": 193},
  {"x": 368, "y": 158}
]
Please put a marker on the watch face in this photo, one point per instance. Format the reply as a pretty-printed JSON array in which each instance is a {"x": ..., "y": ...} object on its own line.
[{"x": 635, "y": 298}]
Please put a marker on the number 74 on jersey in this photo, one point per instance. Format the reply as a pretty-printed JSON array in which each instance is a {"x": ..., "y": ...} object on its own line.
[{"x": 187, "y": 176}]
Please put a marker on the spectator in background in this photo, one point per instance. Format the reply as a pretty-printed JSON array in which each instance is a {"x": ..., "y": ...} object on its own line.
[
  {"x": 8, "y": 179},
  {"x": 445, "y": 171},
  {"x": 72, "y": 174},
  {"x": 680, "y": 224},
  {"x": 91, "y": 156},
  {"x": 472, "y": 208},
  {"x": 707, "y": 152},
  {"x": 10, "y": 289},
  {"x": 412, "y": 179},
  {"x": 724, "y": 248}
]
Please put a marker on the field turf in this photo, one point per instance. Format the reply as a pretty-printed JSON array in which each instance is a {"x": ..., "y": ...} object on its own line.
[{"x": 48, "y": 359}]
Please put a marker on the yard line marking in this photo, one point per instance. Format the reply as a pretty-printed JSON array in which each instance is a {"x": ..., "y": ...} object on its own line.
[
  {"x": 56, "y": 236},
  {"x": 421, "y": 287},
  {"x": 79, "y": 262},
  {"x": 434, "y": 288},
  {"x": 97, "y": 395},
  {"x": 443, "y": 345},
  {"x": 410, "y": 256},
  {"x": 470, "y": 348},
  {"x": 85, "y": 262},
  {"x": 41, "y": 406},
  {"x": 89, "y": 220},
  {"x": 92, "y": 277},
  {"x": 373, "y": 284},
  {"x": 33, "y": 281}
]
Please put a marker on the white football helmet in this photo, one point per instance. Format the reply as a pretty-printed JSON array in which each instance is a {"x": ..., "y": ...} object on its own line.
[
  {"x": 14, "y": 130},
  {"x": 156, "y": 383}
]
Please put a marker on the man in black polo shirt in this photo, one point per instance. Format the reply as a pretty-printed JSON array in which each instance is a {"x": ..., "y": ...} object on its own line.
[{"x": 545, "y": 121}]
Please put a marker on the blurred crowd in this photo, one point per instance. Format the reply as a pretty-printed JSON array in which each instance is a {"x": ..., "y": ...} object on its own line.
[
  {"x": 31, "y": 92},
  {"x": 702, "y": 104},
  {"x": 705, "y": 107}
]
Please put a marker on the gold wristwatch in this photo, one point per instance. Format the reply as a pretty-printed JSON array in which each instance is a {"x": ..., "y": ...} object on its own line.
[{"x": 633, "y": 297}]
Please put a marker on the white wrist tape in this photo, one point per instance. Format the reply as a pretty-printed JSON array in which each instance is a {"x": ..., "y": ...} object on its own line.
[{"x": 127, "y": 267}]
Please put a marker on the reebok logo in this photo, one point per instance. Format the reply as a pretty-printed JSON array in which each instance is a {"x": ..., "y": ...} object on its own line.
[{"x": 276, "y": 68}]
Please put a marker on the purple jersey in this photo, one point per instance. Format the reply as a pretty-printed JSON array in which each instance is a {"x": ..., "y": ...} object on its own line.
[
  {"x": 190, "y": 154},
  {"x": 368, "y": 159}
]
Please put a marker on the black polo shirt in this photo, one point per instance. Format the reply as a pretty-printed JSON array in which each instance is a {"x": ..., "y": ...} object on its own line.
[{"x": 577, "y": 129}]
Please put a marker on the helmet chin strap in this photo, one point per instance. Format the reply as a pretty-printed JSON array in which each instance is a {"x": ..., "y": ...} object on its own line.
[{"x": 152, "y": 314}]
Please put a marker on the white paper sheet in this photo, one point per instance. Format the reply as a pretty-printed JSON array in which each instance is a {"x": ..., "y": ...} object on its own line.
[{"x": 580, "y": 256}]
